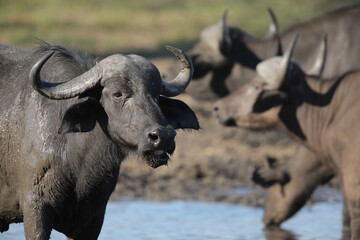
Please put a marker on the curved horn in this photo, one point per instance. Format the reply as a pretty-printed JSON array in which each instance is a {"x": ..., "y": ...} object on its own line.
[
  {"x": 319, "y": 65},
  {"x": 273, "y": 70},
  {"x": 274, "y": 26},
  {"x": 182, "y": 80},
  {"x": 63, "y": 90},
  {"x": 274, "y": 31},
  {"x": 225, "y": 30},
  {"x": 285, "y": 63}
]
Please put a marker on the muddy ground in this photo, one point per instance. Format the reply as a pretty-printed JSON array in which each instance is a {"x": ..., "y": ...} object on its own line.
[{"x": 212, "y": 164}]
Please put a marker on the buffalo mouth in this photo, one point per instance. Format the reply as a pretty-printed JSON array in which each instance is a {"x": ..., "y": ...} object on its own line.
[
  {"x": 156, "y": 158},
  {"x": 229, "y": 122}
]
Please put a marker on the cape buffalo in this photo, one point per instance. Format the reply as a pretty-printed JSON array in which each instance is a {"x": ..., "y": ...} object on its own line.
[
  {"x": 218, "y": 73},
  {"x": 290, "y": 184},
  {"x": 320, "y": 114},
  {"x": 225, "y": 56},
  {"x": 285, "y": 199},
  {"x": 66, "y": 125}
]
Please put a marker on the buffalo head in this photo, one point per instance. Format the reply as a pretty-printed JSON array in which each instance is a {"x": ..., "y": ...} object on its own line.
[
  {"x": 126, "y": 97},
  {"x": 290, "y": 183},
  {"x": 221, "y": 45},
  {"x": 256, "y": 105}
]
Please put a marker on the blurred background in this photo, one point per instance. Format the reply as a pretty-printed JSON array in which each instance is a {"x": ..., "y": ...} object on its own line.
[
  {"x": 107, "y": 26},
  {"x": 214, "y": 164}
]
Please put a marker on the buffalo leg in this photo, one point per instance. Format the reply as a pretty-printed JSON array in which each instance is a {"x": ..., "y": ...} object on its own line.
[
  {"x": 351, "y": 190},
  {"x": 37, "y": 221},
  {"x": 354, "y": 211},
  {"x": 346, "y": 234}
]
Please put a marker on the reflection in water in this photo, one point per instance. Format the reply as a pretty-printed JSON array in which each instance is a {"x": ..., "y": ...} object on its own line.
[
  {"x": 188, "y": 220},
  {"x": 276, "y": 233}
]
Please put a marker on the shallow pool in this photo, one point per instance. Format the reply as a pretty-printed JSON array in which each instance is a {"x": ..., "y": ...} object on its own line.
[{"x": 189, "y": 220}]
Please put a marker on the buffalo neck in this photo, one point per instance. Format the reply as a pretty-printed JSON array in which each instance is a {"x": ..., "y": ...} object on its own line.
[
  {"x": 249, "y": 51},
  {"x": 315, "y": 106},
  {"x": 96, "y": 160}
]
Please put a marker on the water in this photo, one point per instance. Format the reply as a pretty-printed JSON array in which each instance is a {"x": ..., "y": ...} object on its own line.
[{"x": 189, "y": 220}]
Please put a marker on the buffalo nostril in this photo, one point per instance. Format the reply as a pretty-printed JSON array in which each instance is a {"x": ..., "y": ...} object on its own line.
[
  {"x": 163, "y": 136},
  {"x": 154, "y": 138}
]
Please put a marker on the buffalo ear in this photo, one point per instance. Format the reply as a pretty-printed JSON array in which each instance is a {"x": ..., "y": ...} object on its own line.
[
  {"x": 269, "y": 99},
  {"x": 178, "y": 114},
  {"x": 81, "y": 116}
]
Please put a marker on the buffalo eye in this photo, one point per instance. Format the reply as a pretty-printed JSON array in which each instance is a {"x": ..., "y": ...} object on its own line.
[
  {"x": 156, "y": 99},
  {"x": 117, "y": 95}
]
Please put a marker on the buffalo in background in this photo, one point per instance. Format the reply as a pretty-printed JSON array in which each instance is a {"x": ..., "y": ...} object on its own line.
[
  {"x": 321, "y": 114},
  {"x": 66, "y": 125},
  {"x": 223, "y": 51},
  {"x": 290, "y": 184},
  {"x": 225, "y": 56},
  {"x": 222, "y": 61}
]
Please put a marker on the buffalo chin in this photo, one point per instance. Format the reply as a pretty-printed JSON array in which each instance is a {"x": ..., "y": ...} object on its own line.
[{"x": 155, "y": 160}]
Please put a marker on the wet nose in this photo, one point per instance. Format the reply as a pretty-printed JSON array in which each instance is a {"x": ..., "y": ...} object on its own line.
[{"x": 160, "y": 136}]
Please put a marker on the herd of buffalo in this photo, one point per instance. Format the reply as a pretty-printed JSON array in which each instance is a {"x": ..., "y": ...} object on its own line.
[{"x": 68, "y": 121}]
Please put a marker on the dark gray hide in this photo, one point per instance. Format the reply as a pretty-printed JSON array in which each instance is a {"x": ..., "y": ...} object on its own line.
[
  {"x": 225, "y": 57},
  {"x": 59, "y": 159}
]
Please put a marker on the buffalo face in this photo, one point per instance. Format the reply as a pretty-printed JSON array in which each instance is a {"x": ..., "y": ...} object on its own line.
[
  {"x": 290, "y": 183},
  {"x": 238, "y": 108},
  {"x": 125, "y": 96},
  {"x": 211, "y": 50},
  {"x": 258, "y": 104},
  {"x": 221, "y": 45}
]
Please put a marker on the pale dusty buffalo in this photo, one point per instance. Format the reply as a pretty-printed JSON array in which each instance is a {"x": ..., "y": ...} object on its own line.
[
  {"x": 320, "y": 114},
  {"x": 225, "y": 56},
  {"x": 291, "y": 183}
]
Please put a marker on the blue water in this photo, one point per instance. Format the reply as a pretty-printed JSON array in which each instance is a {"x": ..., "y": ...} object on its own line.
[{"x": 189, "y": 220}]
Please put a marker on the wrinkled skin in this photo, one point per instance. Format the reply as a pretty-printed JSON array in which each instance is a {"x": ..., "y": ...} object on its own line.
[
  {"x": 59, "y": 159},
  {"x": 319, "y": 114},
  {"x": 222, "y": 66}
]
